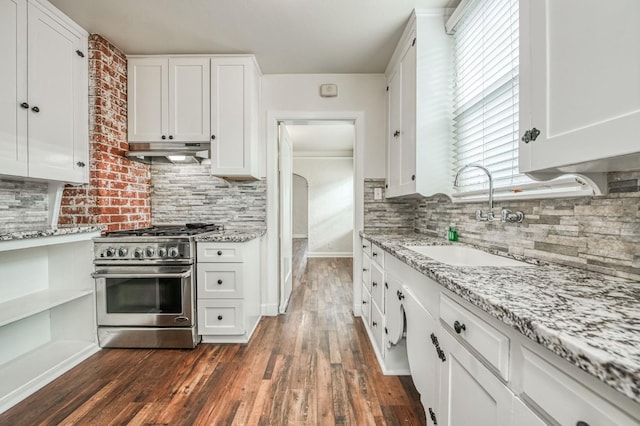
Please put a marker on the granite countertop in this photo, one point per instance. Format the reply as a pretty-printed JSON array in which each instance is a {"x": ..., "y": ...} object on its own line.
[
  {"x": 239, "y": 235},
  {"x": 590, "y": 319},
  {"x": 22, "y": 235}
]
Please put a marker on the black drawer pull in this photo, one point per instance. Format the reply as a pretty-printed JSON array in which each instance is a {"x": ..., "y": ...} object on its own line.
[
  {"x": 219, "y": 317},
  {"x": 220, "y": 282},
  {"x": 219, "y": 252},
  {"x": 459, "y": 327}
]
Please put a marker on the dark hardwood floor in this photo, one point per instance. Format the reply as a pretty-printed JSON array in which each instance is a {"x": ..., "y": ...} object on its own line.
[{"x": 312, "y": 366}]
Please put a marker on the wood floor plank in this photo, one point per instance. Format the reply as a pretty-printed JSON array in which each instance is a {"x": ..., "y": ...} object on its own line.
[{"x": 314, "y": 365}]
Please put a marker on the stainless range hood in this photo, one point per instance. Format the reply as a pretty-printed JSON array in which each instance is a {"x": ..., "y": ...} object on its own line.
[{"x": 168, "y": 152}]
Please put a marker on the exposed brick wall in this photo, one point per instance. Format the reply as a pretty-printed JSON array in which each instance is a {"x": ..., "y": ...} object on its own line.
[{"x": 119, "y": 191}]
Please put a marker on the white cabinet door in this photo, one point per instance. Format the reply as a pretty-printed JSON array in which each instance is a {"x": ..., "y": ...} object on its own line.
[
  {"x": 148, "y": 112},
  {"x": 13, "y": 86},
  {"x": 469, "y": 393},
  {"x": 58, "y": 80},
  {"x": 579, "y": 71},
  {"x": 235, "y": 87},
  {"x": 421, "y": 351},
  {"x": 189, "y": 99},
  {"x": 407, "y": 179},
  {"x": 394, "y": 134}
]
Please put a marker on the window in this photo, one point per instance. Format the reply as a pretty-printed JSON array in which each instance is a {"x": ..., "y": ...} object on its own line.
[{"x": 485, "y": 118}]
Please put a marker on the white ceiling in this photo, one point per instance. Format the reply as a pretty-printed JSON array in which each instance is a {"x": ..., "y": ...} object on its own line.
[
  {"x": 329, "y": 139},
  {"x": 287, "y": 36}
]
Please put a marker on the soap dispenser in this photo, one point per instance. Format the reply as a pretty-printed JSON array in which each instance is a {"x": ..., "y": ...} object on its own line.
[{"x": 452, "y": 234}]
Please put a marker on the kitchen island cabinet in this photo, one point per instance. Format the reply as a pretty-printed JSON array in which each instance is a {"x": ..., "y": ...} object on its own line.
[
  {"x": 44, "y": 126},
  {"x": 47, "y": 310}
]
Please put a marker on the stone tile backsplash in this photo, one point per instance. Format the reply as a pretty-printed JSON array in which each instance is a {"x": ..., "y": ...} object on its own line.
[
  {"x": 596, "y": 233},
  {"x": 188, "y": 193},
  {"x": 23, "y": 205}
]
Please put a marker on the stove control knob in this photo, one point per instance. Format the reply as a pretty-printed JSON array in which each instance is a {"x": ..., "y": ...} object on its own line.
[
  {"x": 122, "y": 251},
  {"x": 173, "y": 252},
  {"x": 109, "y": 252},
  {"x": 162, "y": 252},
  {"x": 149, "y": 252},
  {"x": 138, "y": 253}
]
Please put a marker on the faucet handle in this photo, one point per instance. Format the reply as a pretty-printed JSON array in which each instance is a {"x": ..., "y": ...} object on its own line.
[{"x": 512, "y": 217}]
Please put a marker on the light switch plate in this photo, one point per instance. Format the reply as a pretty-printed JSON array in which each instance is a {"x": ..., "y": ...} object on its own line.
[{"x": 377, "y": 193}]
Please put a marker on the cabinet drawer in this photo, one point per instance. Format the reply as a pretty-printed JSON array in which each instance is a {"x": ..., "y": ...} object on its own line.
[
  {"x": 377, "y": 327},
  {"x": 485, "y": 339},
  {"x": 377, "y": 286},
  {"x": 377, "y": 255},
  {"x": 220, "y": 252},
  {"x": 220, "y": 280},
  {"x": 563, "y": 398},
  {"x": 366, "y": 247},
  {"x": 366, "y": 270},
  {"x": 220, "y": 317}
]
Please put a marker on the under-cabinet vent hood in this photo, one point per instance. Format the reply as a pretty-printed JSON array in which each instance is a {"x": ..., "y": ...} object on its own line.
[{"x": 168, "y": 152}]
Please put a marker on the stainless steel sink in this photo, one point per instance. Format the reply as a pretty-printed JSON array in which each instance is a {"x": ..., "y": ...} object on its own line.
[{"x": 464, "y": 256}]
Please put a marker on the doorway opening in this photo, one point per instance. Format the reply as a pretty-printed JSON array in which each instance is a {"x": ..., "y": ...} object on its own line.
[{"x": 316, "y": 192}]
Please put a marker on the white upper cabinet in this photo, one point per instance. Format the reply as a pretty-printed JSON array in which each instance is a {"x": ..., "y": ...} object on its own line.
[
  {"x": 44, "y": 119},
  {"x": 580, "y": 85},
  {"x": 235, "y": 101},
  {"x": 13, "y": 86},
  {"x": 418, "y": 137},
  {"x": 169, "y": 99}
]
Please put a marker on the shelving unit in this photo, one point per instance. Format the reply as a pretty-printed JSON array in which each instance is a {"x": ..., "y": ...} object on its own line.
[{"x": 47, "y": 311}]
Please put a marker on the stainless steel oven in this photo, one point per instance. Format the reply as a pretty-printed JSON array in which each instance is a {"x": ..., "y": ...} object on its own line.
[{"x": 145, "y": 287}]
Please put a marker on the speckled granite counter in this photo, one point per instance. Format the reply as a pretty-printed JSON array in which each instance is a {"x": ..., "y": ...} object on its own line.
[
  {"x": 21, "y": 235},
  {"x": 591, "y": 320},
  {"x": 231, "y": 235}
]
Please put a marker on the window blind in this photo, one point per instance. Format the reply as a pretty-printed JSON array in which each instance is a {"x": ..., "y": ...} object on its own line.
[{"x": 485, "y": 118}]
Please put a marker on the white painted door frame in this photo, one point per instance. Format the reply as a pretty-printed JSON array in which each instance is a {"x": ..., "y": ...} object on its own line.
[
  {"x": 285, "y": 176},
  {"x": 271, "y": 295}
]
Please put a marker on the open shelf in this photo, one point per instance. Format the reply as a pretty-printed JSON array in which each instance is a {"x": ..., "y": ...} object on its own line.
[
  {"x": 26, "y": 306},
  {"x": 24, "y": 243},
  {"x": 28, "y": 373}
]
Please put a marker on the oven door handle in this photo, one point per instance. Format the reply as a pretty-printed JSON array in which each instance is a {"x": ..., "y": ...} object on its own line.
[{"x": 185, "y": 274}]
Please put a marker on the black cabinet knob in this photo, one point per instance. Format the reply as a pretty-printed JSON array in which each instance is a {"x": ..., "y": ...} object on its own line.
[
  {"x": 213, "y": 137},
  {"x": 170, "y": 136},
  {"x": 80, "y": 164},
  {"x": 375, "y": 254},
  {"x": 396, "y": 133},
  {"x": 386, "y": 285},
  {"x": 163, "y": 137},
  {"x": 581, "y": 423},
  {"x": 374, "y": 284},
  {"x": 386, "y": 186},
  {"x": 219, "y": 252},
  {"x": 433, "y": 416},
  {"x": 219, "y": 282},
  {"x": 413, "y": 177},
  {"x": 364, "y": 302},
  {"x": 386, "y": 330},
  {"x": 35, "y": 109},
  {"x": 219, "y": 317},
  {"x": 80, "y": 53},
  {"x": 364, "y": 269},
  {"x": 24, "y": 105},
  {"x": 458, "y": 327},
  {"x": 400, "y": 295},
  {"x": 375, "y": 324}
]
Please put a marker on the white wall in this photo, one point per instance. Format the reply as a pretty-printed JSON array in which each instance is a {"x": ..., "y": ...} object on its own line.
[
  {"x": 300, "y": 210},
  {"x": 330, "y": 204},
  {"x": 356, "y": 92}
]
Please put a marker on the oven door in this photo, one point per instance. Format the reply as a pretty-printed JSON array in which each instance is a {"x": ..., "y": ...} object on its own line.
[{"x": 135, "y": 296}]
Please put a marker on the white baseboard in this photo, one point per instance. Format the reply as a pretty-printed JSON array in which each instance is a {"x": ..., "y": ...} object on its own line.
[
  {"x": 330, "y": 254},
  {"x": 299, "y": 236},
  {"x": 270, "y": 310}
]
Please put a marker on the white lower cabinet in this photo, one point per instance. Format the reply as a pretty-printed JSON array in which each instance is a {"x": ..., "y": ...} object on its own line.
[
  {"x": 228, "y": 293},
  {"x": 421, "y": 350},
  {"x": 47, "y": 311},
  {"x": 470, "y": 394},
  {"x": 471, "y": 369}
]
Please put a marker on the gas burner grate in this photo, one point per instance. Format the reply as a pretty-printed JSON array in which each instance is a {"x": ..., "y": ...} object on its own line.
[{"x": 169, "y": 230}]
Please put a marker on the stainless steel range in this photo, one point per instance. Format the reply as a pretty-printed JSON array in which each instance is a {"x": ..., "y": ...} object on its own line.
[{"x": 145, "y": 287}]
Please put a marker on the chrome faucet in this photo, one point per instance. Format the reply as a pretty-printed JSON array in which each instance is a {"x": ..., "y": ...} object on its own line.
[
  {"x": 479, "y": 216},
  {"x": 506, "y": 216}
]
